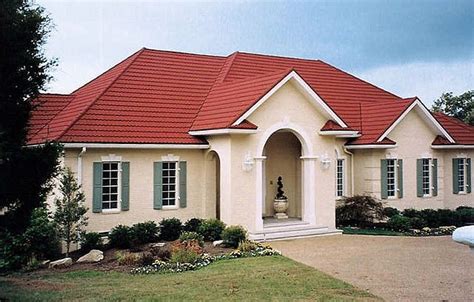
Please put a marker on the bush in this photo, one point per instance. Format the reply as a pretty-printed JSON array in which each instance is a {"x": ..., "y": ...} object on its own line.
[
  {"x": 417, "y": 223},
  {"x": 170, "y": 229},
  {"x": 233, "y": 235},
  {"x": 399, "y": 223},
  {"x": 145, "y": 232},
  {"x": 13, "y": 252},
  {"x": 246, "y": 246},
  {"x": 42, "y": 236},
  {"x": 146, "y": 259},
  {"x": 390, "y": 212},
  {"x": 127, "y": 258},
  {"x": 184, "y": 256},
  {"x": 465, "y": 215},
  {"x": 192, "y": 225},
  {"x": 211, "y": 229},
  {"x": 446, "y": 217},
  {"x": 120, "y": 237},
  {"x": 91, "y": 241},
  {"x": 359, "y": 210},
  {"x": 186, "y": 236},
  {"x": 163, "y": 253},
  {"x": 411, "y": 213}
]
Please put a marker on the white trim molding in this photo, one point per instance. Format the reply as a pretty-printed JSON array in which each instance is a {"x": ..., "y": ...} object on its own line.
[
  {"x": 452, "y": 146},
  {"x": 170, "y": 157},
  {"x": 222, "y": 131},
  {"x": 370, "y": 146},
  {"x": 427, "y": 116},
  {"x": 133, "y": 146},
  {"x": 111, "y": 157},
  {"x": 305, "y": 89}
]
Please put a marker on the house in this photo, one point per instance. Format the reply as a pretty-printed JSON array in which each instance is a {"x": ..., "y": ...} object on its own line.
[{"x": 168, "y": 134}]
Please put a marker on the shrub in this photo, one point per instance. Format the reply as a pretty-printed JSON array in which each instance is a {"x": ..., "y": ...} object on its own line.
[
  {"x": 359, "y": 210},
  {"x": 465, "y": 215},
  {"x": 417, "y": 223},
  {"x": 390, "y": 212},
  {"x": 446, "y": 217},
  {"x": 127, "y": 258},
  {"x": 13, "y": 252},
  {"x": 91, "y": 241},
  {"x": 184, "y": 256},
  {"x": 399, "y": 223},
  {"x": 146, "y": 259},
  {"x": 145, "y": 232},
  {"x": 211, "y": 229},
  {"x": 246, "y": 246},
  {"x": 170, "y": 229},
  {"x": 411, "y": 213},
  {"x": 233, "y": 235},
  {"x": 163, "y": 253},
  {"x": 186, "y": 236},
  {"x": 120, "y": 237},
  {"x": 42, "y": 236},
  {"x": 192, "y": 225}
]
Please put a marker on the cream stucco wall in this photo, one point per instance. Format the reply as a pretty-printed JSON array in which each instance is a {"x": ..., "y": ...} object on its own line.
[
  {"x": 413, "y": 137},
  {"x": 199, "y": 202}
]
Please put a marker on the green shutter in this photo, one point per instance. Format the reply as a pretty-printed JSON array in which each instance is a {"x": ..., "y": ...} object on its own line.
[
  {"x": 400, "y": 178},
  {"x": 468, "y": 174},
  {"x": 157, "y": 185},
  {"x": 125, "y": 186},
  {"x": 182, "y": 184},
  {"x": 455, "y": 175},
  {"x": 434, "y": 178},
  {"x": 383, "y": 177},
  {"x": 97, "y": 189},
  {"x": 419, "y": 177}
]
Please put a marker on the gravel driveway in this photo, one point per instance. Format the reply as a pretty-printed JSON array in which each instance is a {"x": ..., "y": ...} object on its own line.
[{"x": 394, "y": 268}]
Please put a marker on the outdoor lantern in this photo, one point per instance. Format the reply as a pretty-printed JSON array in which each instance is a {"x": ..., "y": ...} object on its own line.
[
  {"x": 247, "y": 165},
  {"x": 325, "y": 161}
]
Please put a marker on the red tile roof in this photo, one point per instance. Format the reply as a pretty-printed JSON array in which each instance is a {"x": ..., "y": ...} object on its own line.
[
  {"x": 158, "y": 96},
  {"x": 462, "y": 133}
]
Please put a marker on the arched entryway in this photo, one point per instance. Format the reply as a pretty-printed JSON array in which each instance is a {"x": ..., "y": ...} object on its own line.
[
  {"x": 213, "y": 178},
  {"x": 283, "y": 158}
]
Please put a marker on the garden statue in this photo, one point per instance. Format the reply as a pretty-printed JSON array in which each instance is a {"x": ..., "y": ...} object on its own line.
[{"x": 280, "y": 204}]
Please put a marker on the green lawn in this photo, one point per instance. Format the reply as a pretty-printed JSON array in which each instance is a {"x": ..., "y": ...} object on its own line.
[
  {"x": 351, "y": 231},
  {"x": 263, "y": 278}
]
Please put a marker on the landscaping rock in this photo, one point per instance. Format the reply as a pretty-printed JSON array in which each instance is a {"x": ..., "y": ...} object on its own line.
[
  {"x": 92, "y": 256},
  {"x": 65, "y": 262},
  {"x": 159, "y": 244},
  {"x": 217, "y": 242},
  {"x": 45, "y": 263}
]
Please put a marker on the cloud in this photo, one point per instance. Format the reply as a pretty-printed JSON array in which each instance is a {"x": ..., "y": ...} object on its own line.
[{"x": 426, "y": 80}]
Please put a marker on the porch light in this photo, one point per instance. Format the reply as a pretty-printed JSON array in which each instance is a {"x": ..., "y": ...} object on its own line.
[
  {"x": 247, "y": 165},
  {"x": 325, "y": 161}
]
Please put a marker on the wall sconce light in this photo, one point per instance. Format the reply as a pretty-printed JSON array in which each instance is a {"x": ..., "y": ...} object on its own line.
[
  {"x": 247, "y": 165},
  {"x": 325, "y": 161}
]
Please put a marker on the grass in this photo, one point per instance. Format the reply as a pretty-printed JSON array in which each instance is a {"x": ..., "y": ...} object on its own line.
[
  {"x": 375, "y": 231},
  {"x": 274, "y": 278}
]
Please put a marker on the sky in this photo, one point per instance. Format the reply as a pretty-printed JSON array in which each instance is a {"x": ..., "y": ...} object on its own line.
[{"x": 421, "y": 48}]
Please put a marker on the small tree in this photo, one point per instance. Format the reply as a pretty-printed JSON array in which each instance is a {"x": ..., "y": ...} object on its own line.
[
  {"x": 280, "y": 192},
  {"x": 359, "y": 210},
  {"x": 70, "y": 210}
]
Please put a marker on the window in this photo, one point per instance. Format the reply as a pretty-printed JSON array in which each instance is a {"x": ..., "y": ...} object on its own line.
[
  {"x": 110, "y": 185},
  {"x": 462, "y": 169},
  {"x": 340, "y": 178},
  {"x": 426, "y": 176},
  {"x": 391, "y": 178},
  {"x": 169, "y": 176}
]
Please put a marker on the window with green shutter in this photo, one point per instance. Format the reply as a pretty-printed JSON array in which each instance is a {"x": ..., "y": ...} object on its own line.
[
  {"x": 169, "y": 181},
  {"x": 427, "y": 177},
  {"x": 391, "y": 171},
  {"x": 461, "y": 175},
  {"x": 111, "y": 189}
]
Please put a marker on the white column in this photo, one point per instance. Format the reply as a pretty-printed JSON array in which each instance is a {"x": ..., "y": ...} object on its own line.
[
  {"x": 309, "y": 189},
  {"x": 260, "y": 187}
]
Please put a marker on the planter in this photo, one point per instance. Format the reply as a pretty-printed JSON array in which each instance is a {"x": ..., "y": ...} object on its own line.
[{"x": 280, "y": 206}]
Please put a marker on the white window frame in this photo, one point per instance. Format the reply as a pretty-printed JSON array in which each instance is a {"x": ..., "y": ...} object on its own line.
[
  {"x": 462, "y": 189},
  {"x": 176, "y": 184},
  {"x": 430, "y": 176},
  {"x": 110, "y": 160},
  {"x": 343, "y": 178},
  {"x": 395, "y": 178}
]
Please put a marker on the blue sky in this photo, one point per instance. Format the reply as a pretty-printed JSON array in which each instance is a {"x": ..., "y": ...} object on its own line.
[{"x": 411, "y": 48}]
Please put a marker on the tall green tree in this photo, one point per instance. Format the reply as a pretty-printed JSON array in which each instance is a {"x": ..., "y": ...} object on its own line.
[
  {"x": 459, "y": 106},
  {"x": 25, "y": 173},
  {"x": 70, "y": 211}
]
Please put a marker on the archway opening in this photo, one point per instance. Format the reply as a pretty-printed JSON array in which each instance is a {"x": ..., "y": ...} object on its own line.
[
  {"x": 283, "y": 152},
  {"x": 213, "y": 179}
]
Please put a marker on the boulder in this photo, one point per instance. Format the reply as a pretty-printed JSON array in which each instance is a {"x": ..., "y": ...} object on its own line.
[
  {"x": 159, "y": 244},
  {"x": 92, "y": 256},
  {"x": 217, "y": 242},
  {"x": 65, "y": 262},
  {"x": 45, "y": 263}
]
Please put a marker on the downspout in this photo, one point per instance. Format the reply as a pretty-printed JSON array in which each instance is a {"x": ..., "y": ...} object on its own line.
[
  {"x": 352, "y": 168},
  {"x": 79, "y": 165}
]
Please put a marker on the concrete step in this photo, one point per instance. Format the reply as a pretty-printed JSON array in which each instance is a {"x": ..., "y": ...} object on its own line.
[{"x": 289, "y": 232}]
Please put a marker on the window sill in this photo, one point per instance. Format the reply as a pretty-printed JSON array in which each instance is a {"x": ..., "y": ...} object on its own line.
[
  {"x": 462, "y": 193},
  {"x": 112, "y": 211},
  {"x": 169, "y": 208}
]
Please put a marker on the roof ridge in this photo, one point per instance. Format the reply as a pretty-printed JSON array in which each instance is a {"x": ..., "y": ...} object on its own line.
[
  {"x": 362, "y": 80},
  {"x": 137, "y": 54},
  {"x": 226, "y": 68},
  {"x": 279, "y": 56},
  {"x": 182, "y": 52},
  {"x": 455, "y": 120}
]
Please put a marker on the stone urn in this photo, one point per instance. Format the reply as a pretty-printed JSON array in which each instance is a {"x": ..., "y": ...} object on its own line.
[{"x": 280, "y": 204}]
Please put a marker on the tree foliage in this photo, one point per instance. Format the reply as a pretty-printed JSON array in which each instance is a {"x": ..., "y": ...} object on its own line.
[
  {"x": 359, "y": 210},
  {"x": 70, "y": 211},
  {"x": 24, "y": 172},
  {"x": 458, "y": 106}
]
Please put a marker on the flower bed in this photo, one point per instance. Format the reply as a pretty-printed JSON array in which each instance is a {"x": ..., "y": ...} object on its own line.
[
  {"x": 426, "y": 231},
  {"x": 204, "y": 260}
]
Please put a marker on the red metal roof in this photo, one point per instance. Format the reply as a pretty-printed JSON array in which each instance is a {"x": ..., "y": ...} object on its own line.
[
  {"x": 158, "y": 96},
  {"x": 462, "y": 133}
]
